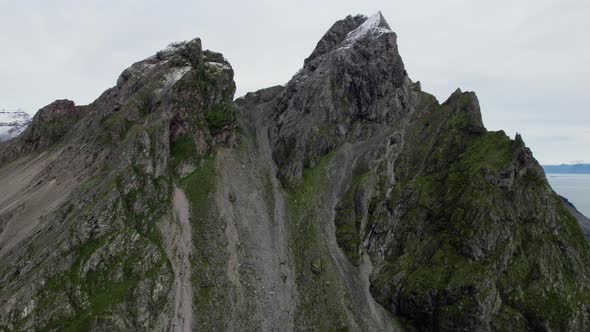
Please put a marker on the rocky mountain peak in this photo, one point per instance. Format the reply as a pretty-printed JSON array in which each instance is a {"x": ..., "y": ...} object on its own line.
[
  {"x": 373, "y": 26},
  {"x": 467, "y": 103},
  {"x": 348, "y": 31},
  {"x": 57, "y": 109},
  {"x": 180, "y": 48},
  {"x": 355, "y": 45},
  {"x": 191, "y": 50},
  {"x": 335, "y": 35},
  {"x": 183, "y": 54},
  {"x": 353, "y": 83}
]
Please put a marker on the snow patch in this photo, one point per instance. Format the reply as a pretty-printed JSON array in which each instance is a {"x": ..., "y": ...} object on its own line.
[
  {"x": 171, "y": 48},
  {"x": 4, "y": 133},
  {"x": 219, "y": 65},
  {"x": 147, "y": 65},
  {"x": 13, "y": 124},
  {"x": 374, "y": 26},
  {"x": 13, "y": 116},
  {"x": 174, "y": 75}
]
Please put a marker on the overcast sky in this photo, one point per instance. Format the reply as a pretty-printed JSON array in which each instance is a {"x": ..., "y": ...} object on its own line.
[{"x": 527, "y": 60}]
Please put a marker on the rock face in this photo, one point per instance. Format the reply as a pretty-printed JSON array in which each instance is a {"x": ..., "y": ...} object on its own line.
[
  {"x": 90, "y": 254},
  {"x": 47, "y": 127},
  {"x": 352, "y": 86},
  {"x": 13, "y": 124},
  {"x": 346, "y": 199},
  {"x": 460, "y": 224}
]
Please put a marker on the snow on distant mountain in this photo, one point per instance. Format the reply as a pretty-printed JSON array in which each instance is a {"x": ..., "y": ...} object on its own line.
[{"x": 12, "y": 123}]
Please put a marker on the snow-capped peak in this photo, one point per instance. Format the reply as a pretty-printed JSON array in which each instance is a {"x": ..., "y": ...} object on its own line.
[
  {"x": 174, "y": 47},
  {"x": 8, "y": 116},
  {"x": 12, "y": 123},
  {"x": 374, "y": 25}
]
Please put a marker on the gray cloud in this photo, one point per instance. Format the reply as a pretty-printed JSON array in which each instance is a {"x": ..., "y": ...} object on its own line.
[{"x": 527, "y": 60}]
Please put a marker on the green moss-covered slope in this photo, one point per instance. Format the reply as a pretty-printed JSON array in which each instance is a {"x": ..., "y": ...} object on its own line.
[{"x": 480, "y": 241}]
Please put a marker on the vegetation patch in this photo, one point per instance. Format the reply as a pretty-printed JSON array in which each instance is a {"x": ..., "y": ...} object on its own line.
[
  {"x": 322, "y": 296},
  {"x": 210, "y": 285},
  {"x": 220, "y": 115},
  {"x": 348, "y": 221},
  {"x": 183, "y": 149},
  {"x": 101, "y": 289},
  {"x": 454, "y": 225}
]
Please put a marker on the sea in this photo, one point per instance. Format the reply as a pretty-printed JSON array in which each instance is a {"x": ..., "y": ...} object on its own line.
[{"x": 574, "y": 187}]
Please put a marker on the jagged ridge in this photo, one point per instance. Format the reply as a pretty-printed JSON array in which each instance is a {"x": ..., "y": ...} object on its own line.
[
  {"x": 452, "y": 217},
  {"x": 87, "y": 223}
]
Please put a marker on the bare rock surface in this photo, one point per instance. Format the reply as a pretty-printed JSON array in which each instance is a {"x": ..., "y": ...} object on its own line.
[{"x": 181, "y": 245}]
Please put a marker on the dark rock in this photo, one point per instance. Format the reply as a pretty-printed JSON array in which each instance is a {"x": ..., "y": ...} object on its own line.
[{"x": 352, "y": 86}]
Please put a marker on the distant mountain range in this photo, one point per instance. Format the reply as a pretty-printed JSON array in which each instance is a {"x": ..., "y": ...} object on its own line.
[
  {"x": 568, "y": 168},
  {"x": 12, "y": 123}
]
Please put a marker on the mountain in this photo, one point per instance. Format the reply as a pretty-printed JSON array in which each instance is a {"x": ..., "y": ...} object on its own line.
[
  {"x": 348, "y": 199},
  {"x": 568, "y": 169},
  {"x": 12, "y": 124}
]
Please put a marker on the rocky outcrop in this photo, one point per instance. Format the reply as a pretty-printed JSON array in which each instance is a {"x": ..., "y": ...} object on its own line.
[
  {"x": 49, "y": 125},
  {"x": 352, "y": 86}
]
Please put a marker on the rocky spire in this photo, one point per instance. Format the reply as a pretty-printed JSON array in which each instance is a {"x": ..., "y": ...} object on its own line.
[
  {"x": 354, "y": 71},
  {"x": 335, "y": 35},
  {"x": 373, "y": 26},
  {"x": 348, "y": 31}
]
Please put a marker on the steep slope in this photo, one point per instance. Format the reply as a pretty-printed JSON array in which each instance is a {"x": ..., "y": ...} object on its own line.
[
  {"x": 90, "y": 187},
  {"x": 348, "y": 199},
  {"x": 476, "y": 238}
]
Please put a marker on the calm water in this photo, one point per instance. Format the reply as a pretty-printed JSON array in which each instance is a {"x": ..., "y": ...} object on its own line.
[{"x": 574, "y": 187}]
